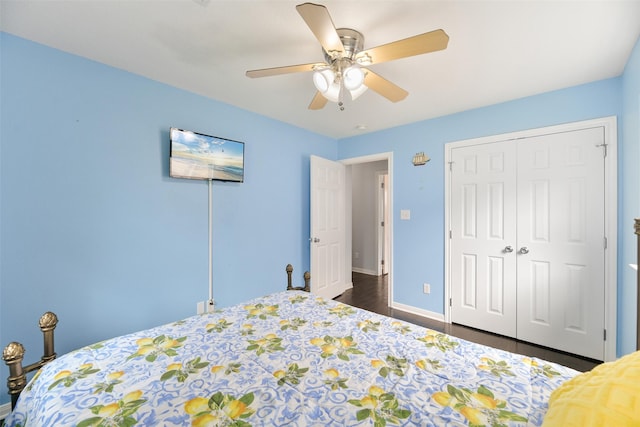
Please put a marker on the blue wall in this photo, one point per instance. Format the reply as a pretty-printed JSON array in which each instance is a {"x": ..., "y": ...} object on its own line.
[
  {"x": 418, "y": 244},
  {"x": 629, "y": 161},
  {"x": 93, "y": 228}
]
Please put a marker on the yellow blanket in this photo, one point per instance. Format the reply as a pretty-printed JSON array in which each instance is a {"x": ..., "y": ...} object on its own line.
[{"x": 608, "y": 395}]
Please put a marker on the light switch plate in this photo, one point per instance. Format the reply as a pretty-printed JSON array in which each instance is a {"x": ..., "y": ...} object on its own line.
[{"x": 405, "y": 214}]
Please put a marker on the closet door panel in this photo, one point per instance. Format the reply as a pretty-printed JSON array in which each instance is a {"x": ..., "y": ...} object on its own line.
[
  {"x": 483, "y": 293},
  {"x": 560, "y": 258}
]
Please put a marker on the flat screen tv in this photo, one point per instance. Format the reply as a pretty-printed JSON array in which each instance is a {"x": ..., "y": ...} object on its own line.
[{"x": 198, "y": 156}]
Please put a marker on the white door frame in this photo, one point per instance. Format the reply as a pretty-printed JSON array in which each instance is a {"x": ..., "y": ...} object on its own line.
[
  {"x": 388, "y": 156},
  {"x": 611, "y": 212},
  {"x": 382, "y": 216}
]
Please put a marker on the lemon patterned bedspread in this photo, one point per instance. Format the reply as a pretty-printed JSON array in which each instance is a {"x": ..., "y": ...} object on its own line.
[{"x": 292, "y": 359}]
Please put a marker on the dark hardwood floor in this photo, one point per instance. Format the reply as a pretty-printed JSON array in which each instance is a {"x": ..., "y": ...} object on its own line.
[{"x": 370, "y": 293}]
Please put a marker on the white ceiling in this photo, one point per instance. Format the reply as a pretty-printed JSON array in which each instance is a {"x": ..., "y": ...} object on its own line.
[{"x": 498, "y": 50}]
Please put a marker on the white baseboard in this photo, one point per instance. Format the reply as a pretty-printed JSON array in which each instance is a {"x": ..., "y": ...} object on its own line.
[
  {"x": 5, "y": 410},
  {"x": 419, "y": 311},
  {"x": 364, "y": 271}
]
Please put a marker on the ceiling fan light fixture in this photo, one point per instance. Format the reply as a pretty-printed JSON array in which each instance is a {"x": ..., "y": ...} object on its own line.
[
  {"x": 333, "y": 92},
  {"x": 355, "y": 93},
  {"x": 323, "y": 79},
  {"x": 353, "y": 77}
]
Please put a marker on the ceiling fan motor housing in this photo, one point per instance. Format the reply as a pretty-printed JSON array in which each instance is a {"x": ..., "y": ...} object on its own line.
[{"x": 353, "y": 42}]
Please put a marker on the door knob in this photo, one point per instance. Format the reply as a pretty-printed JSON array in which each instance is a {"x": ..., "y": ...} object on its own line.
[
  {"x": 507, "y": 249},
  {"x": 524, "y": 250},
  {"x": 314, "y": 239}
]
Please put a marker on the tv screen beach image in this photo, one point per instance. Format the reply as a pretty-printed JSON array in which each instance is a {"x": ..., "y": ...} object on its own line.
[{"x": 198, "y": 156}]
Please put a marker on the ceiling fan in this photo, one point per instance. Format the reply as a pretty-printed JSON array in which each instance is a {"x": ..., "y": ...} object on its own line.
[{"x": 344, "y": 68}]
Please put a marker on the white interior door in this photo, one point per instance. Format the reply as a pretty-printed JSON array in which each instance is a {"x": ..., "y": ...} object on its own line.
[
  {"x": 561, "y": 245},
  {"x": 327, "y": 224},
  {"x": 483, "y": 237}
]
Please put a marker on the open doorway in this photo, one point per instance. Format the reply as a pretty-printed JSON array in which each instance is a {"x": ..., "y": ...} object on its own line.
[
  {"x": 367, "y": 200},
  {"x": 369, "y": 191}
]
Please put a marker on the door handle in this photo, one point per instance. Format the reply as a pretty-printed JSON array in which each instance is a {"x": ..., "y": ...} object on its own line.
[
  {"x": 507, "y": 249},
  {"x": 524, "y": 250},
  {"x": 314, "y": 239}
]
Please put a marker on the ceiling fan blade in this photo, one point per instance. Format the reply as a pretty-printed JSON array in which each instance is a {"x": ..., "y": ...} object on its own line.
[
  {"x": 318, "y": 102},
  {"x": 319, "y": 21},
  {"x": 416, "y": 45},
  {"x": 384, "y": 87},
  {"x": 266, "y": 72}
]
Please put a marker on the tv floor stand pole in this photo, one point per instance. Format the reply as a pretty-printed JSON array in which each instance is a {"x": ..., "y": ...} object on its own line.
[{"x": 210, "y": 301}]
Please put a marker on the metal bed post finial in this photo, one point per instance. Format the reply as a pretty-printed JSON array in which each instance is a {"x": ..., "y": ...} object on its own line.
[
  {"x": 289, "y": 272},
  {"x": 48, "y": 323},
  {"x": 307, "y": 281},
  {"x": 13, "y": 355}
]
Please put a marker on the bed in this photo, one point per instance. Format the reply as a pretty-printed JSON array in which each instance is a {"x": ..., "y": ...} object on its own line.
[{"x": 290, "y": 358}]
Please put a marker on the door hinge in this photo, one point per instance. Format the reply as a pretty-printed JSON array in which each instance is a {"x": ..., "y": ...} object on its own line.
[
  {"x": 606, "y": 243},
  {"x": 605, "y": 335},
  {"x": 381, "y": 223},
  {"x": 450, "y": 234},
  {"x": 605, "y": 148},
  {"x": 382, "y": 185},
  {"x": 450, "y": 302},
  {"x": 450, "y": 166},
  {"x": 381, "y": 262}
]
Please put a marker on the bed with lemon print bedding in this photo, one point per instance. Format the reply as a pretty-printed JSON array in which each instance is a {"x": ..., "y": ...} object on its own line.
[{"x": 291, "y": 359}]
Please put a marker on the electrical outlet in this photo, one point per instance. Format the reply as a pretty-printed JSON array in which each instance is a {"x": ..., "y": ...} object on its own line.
[
  {"x": 426, "y": 288},
  {"x": 208, "y": 306}
]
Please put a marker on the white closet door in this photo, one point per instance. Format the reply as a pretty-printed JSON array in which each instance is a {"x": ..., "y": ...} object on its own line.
[
  {"x": 560, "y": 268},
  {"x": 544, "y": 198},
  {"x": 483, "y": 215}
]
